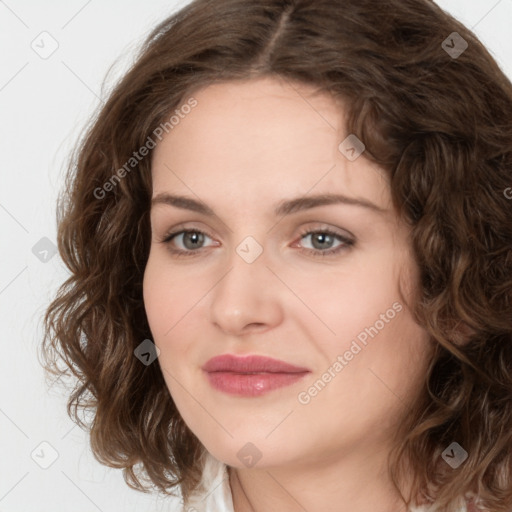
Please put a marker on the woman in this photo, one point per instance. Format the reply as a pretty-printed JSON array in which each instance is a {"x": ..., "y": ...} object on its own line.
[{"x": 290, "y": 255}]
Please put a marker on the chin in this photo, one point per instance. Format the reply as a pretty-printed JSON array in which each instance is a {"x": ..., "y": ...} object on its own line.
[{"x": 252, "y": 452}]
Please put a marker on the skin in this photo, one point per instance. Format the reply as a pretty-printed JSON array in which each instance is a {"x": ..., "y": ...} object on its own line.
[{"x": 244, "y": 148}]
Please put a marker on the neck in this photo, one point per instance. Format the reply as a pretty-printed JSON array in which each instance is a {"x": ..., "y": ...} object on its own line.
[{"x": 352, "y": 483}]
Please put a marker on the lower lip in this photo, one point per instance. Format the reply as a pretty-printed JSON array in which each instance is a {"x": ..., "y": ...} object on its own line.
[{"x": 251, "y": 384}]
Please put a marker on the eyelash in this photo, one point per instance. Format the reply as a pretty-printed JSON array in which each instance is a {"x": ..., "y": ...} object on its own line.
[{"x": 314, "y": 252}]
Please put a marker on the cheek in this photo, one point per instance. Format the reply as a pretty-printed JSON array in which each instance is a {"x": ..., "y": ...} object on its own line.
[
  {"x": 155, "y": 300},
  {"x": 352, "y": 300},
  {"x": 161, "y": 317},
  {"x": 384, "y": 352},
  {"x": 372, "y": 329},
  {"x": 172, "y": 307},
  {"x": 167, "y": 298}
]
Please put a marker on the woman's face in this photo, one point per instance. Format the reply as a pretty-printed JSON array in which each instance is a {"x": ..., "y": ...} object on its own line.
[{"x": 249, "y": 282}]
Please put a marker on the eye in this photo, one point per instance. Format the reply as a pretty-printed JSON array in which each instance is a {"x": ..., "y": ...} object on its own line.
[
  {"x": 190, "y": 242},
  {"x": 323, "y": 239}
]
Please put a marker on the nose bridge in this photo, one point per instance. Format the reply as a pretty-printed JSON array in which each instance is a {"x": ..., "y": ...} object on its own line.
[{"x": 245, "y": 296}]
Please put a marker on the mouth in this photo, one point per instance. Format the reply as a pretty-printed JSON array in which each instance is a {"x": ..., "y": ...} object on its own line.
[{"x": 251, "y": 375}]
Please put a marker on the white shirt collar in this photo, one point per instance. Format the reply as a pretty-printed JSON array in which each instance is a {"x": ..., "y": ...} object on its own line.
[{"x": 214, "y": 491}]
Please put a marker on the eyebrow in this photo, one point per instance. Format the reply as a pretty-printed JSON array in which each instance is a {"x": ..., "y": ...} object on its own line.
[{"x": 286, "y": 207}]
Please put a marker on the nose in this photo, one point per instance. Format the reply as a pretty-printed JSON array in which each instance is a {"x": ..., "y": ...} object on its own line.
[{"x": 248, "y": 298}]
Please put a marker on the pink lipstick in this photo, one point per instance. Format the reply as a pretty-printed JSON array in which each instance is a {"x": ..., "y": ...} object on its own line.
[{"x": 250, "y": 375}]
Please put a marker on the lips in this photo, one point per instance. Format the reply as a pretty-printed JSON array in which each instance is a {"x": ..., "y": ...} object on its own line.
[
  {"x": 251, "y": 375},
  {"x": 250, "y": 364}
]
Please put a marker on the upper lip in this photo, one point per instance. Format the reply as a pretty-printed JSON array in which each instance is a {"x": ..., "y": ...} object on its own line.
[{"x": 246, "y": 364}]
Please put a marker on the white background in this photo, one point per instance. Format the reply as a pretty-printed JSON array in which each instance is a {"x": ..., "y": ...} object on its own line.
[{"x": 44, "y": 104}]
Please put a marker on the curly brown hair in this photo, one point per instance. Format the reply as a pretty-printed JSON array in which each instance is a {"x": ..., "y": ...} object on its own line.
[{"x": 437, "y": 116}]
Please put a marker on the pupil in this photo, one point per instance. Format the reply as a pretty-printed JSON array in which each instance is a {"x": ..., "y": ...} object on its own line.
[
  {"x": 323, "y": 239},
  {"x": 196, "y": 238}
]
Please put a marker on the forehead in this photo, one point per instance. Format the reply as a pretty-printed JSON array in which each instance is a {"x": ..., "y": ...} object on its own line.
[{"x": 261, "y": 136}]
